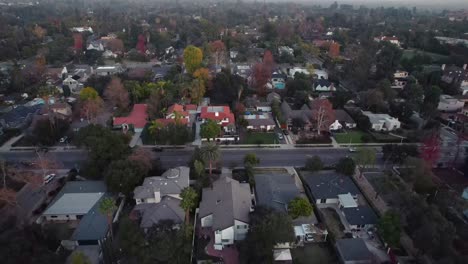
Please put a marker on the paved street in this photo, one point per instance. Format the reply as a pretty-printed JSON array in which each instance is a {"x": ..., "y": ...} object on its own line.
[{"x": 229, "y": 157}]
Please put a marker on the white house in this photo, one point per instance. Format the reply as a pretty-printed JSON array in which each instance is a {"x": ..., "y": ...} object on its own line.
[
  {"x": 95, "y": 46},
  {"x": 74, "y": 85},
  {"x": 382, "y": 122},
  {"x": 400, "y": 74},
  {"x": 225, "y": 208},
  {"x": 108, "y": 70},
  {"x": 285, "y": 50},
  {"x": 321, "y": 74},
  {"x": 260, "y": 121},
  {"x": 448, "y": 103},
  {"x": 294, "y": 70},
  {"x": 323, "y": 85},
  {"x": 335, "y": 126}
]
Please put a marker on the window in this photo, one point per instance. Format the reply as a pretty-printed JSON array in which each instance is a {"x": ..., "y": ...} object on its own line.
[
  {"x": 53, "y": 216},
  {"x": 225, "y": 240},
  {"x": 323, "y": 200}
]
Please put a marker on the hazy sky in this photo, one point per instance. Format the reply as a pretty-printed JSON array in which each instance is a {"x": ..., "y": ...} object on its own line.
[{"x": 440, "y": 4}]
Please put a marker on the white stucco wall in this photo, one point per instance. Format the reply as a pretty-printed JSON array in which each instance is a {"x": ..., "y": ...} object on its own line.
[
  {"x": 225, "y": 237},
  {"x": 241, "y": 230},
  {"x": 207, "y": 221}
]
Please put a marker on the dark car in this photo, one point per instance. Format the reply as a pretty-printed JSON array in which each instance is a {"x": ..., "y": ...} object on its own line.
[
  {"x": 157, "y": 149},
  {"x": 286, "y": 132},
  {"x": 42, "y": 149}
]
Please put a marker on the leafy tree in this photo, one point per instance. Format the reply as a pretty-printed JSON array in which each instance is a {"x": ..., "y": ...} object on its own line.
[
  {"x": 365, "y": 157},
  {"x": 169, "y": 245},
  {"x": 142, "y": 158},
  {"x": 103, "y": 147},
  {"x": 210, "y": 153},
  {"x": 48, "y": 131},
  {"x": 346, "y": 166},
  {"x": 79, "y": 257},
  {"x": 399, "y": 153},
  {"x": 107, "y": 207},
  {"x": 88, "y": 93},
  {"x": 91, "y": 108},
  {"x": 202, "y": 74},
  {"x": 122, "y": 176},
  {"x": 116, "y": 94},
  {"x": 267, "y": 228},
  {"x": 385, "y": 87},
  {"x": 172, "y": 134},
  {"x": 131, "y": 238},
  {"x": 314, "y": 164},
  {"x": 299, "y": 206},
  {"x": 323, "y": 114},
  {"x": 199, "y": 168},
  {"x": 189, "y": 202},
  {"x": 251, "y": 159},
  {"x": 210, "y": 129},
  {"x": 298, "y": 84},
  {"x": 389, "y": 227},
  {"x": 431, "y": 101},
  {"x": 193, "y": 57},
  {"x": 226, "y": 88},
  {"x": 197, "y": 90}
]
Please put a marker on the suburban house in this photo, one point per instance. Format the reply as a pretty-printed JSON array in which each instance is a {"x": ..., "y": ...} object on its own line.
[
  {"x": 243, "y": 70},
  {"x": 159, "y": 198},
  {"x": 360, "y": 217},
  {"x": 177, "y": 113},
  {"x": 400, "y": 78},
  {"x": 344, "y": 119},
  {"x": 108, "y": 70},
  {"x": 394, "y": 40},
  {"x": 304, "y": 115},
  {"x": 292, "y": 71},
  {"x": 448, "y": 103},
  {"x": 353, "y": 251},
  {"x": 19, "y": 117},
  {"x": 382, "y": 122},
  {"x": 276, "y": 190},
  {"x": 225, "y": 208},
  {"x": 260, "y": 121},
  {"x": 272, "y": 97},
  {"x": 335, "y": 126},
  {"x": 60, "y": 110},
  {"x": 320, "y": 74},
  {"x": 278, "y": 81},
  {"x": 77, "y": 75},
  {"x": 221, "y": 114},
  {"x": 324, "y": 85},
  {"x": 74, "y": 85},
  {"x": 285, "y": 50},
  {"x": 137, "y": 119},
  {"x": 78, "y": 204},
  {"x": 456, "y": 76},
  {"x": 254, "y": 104},
  {"x": 95, "y": 45},
  {"x": 326, "y": 186}
]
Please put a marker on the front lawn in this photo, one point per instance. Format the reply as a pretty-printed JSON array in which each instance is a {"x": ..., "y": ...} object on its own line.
[
  {"x": 348, "y": 137},
  {"x": 259, "y": 138},
  {"x": 314, "y": 253}
]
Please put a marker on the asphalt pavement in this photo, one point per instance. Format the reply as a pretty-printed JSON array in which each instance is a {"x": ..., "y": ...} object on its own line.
[{"x": 180, "y": 157}]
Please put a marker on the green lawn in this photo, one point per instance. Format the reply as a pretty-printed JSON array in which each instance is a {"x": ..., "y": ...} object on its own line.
[
  {"x": 349, "y": 136},
  {"x": 314, "y": 254},
  {"x": 409, "y": 53},
  {"x": 260, "y": 138}
]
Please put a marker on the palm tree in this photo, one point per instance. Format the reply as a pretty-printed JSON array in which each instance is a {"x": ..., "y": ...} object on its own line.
[
  {"x": 108, "y": 207},
  {"x": 155, "y": 126},
  {"x": 210, "y": 153},
  {"x": 189, "y": 201}
]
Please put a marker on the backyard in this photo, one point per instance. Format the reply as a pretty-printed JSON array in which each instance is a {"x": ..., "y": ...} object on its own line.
[
  {"x": 314, "y": 253},
  {"x": 349, "y": 137},
  {"x": 260, "y": 138}
]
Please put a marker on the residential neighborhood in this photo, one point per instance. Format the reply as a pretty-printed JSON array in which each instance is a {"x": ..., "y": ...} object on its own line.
[{"x": 233, "y": 132}]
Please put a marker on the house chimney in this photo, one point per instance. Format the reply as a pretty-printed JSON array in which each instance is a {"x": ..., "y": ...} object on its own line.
[
  {"x": 216, "y": 113},
  {"x": 464, "y": 67},
  {"x": 443, "y": 67}
]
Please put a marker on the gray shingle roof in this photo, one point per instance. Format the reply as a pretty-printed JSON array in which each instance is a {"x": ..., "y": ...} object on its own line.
[
  {"x": 275, "y": 190},
  {"x": 93, "y": 225},
  {"x": 353, "y": 249},
  {"x": 171, "y": 182},
  {"x": 361, "y": 215},
  {"x": 227, "y": 200},
  {"x": 342, "y": 116},
  {"x": 168, "y": 209},
  {"x": 329, "y": 184}
]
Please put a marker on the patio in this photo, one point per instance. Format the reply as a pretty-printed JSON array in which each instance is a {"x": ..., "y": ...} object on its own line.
[{"x": 230, "y": 254}]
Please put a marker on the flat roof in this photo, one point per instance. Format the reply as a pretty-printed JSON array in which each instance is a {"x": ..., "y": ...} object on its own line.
[
  {"x": 74, "y": 204},
  {"x": 347, "y": 200}
]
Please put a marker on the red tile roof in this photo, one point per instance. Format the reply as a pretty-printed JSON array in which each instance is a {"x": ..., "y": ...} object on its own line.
[
  {"x": 165, "y": 122},
  {"x": 138, "y": 117},
  {"x": 191, "y": 107},
  {"x": 217, "y": 113}
]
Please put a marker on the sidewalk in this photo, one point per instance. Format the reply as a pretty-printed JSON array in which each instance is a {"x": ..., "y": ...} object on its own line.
[{"x": 7, "y": 145}]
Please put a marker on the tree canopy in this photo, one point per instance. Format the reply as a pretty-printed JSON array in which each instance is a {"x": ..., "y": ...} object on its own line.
[
  {"x": 210, "y": 129},
  {"x": 299, "y": 206},
  {"x": 346, "y": 166},
  {"x": 193, "y": 57},
  {"x": 122, "y": 176}
]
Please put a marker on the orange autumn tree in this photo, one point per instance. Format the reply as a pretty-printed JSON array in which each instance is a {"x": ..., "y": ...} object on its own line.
[{"x": 117, "y": 94}]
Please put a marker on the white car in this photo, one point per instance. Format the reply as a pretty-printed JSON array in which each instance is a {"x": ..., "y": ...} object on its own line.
[
  {"x": 49, "y": 178},
  {"x": 352, "y": 149},
  {"x": 280, "y": 136},
  {"x": 62, "y": 140}
]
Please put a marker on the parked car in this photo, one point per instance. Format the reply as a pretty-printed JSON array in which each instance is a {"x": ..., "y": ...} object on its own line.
[
  {"x": 42, "y": 149},
  {"x": 49, "y": 178},
  {"x": 64, "y": 139},
  {"x": 157, "y": 149},
  {"x": 280, "y": 136},
  {"x": 352, "y": 149},
  {"x": 286, "y": 132}
]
